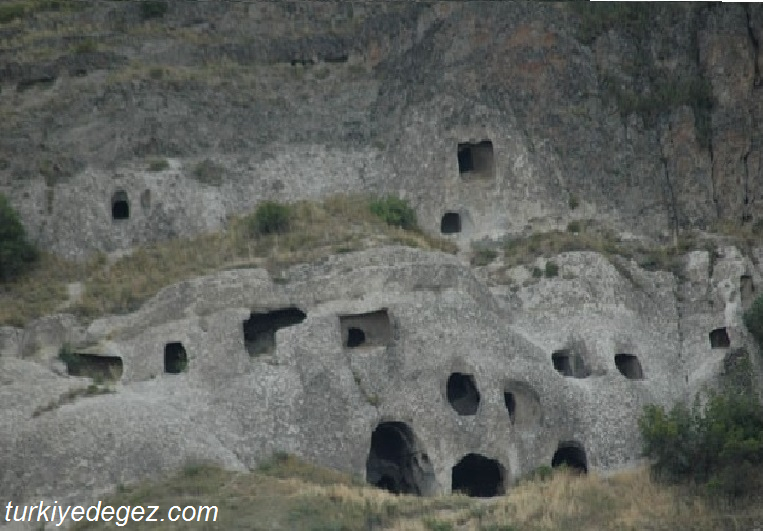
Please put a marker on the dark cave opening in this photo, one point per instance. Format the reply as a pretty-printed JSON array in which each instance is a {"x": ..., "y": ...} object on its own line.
[
  {"x": 260, "y": 329},
  {"x": 572, "y": 455},
  {"x": 396, "y": 462},
  {"x": 450, "y": 223},
  {"x": 120, "y": 206},
  {"x": 478, "y": 476},
  {"x": 366, "y": 329},
  {"x": 463, "y": 394},
  {"x": 175, "y": 358},
  {"x": 719, "y": 338},
  {"x": 629, "y": 366}
]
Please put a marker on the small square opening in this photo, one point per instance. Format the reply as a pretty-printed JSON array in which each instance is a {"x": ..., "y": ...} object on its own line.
[
  {"x": 476, "y": 159},
  {"x": 450, "y": 223},
  {"x": 175, "y": 358}
]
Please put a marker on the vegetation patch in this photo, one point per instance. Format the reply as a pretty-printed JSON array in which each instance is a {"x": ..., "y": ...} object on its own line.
[
  {"x": 395, "y": 212},
  {"x": 269, "y": 218},
  {"x": 209, "y": 172},
  {"x": 287, "y": 493},
  {"x": 16, "y": 253},
  {"x": 158, "y": 165},
  {"x": 153, "y": 9},
  {"x": 753, "y": 319},
  {"x": 718, "y": 445}
]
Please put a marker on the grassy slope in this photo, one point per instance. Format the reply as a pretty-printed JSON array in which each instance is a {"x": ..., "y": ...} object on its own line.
[
  {"x": 339, "y": 224},
  {"x": 289, "y": 494}
]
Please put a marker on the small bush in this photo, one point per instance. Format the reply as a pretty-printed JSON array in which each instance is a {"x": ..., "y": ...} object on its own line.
[
  {"x": 394, "y": 211},
  {"x": 706, "y": 446},
  {"x": 152, "y": 9},
  {"x": 158, "y": 165},
  {"x": 753, "y": 319},
  {"x": 537, "y": 272},
  {"x": 552, "y": 269},
  {"x": 15, "y": 251},
  {"x": 209, "y": 172},
  {"x": 573, "y": 202},
  {"x": 11, "y": 12},
  {"x": 574, "y": 227},
  {"x": 270, "y": 218},
  {"x": 483, "y": 257},
  {"x": 86, "y": 46}
]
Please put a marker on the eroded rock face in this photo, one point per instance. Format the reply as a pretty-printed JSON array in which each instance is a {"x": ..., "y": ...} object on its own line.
[
  {"x": 648, "y": 130},
  {"x": 317, "y": 397}
]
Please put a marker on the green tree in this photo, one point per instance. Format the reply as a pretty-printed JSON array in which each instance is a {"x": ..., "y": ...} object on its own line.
[{"x": 15, "y": 251}]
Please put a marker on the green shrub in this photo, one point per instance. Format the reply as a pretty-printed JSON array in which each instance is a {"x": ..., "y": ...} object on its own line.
[
  {"x": 15, "y": 251},
  {"x": 158, "y": 165},
  {"x": 152, "y": 9},
  {"x": 574, "y": 226},
  {"x": 706, "y": 445},
  {"x": 209, "y": 172},
  {"x": 573, "y": 202},
  {"x": 394, "y": 211},
  {"x": 483, "y": 256},
  {"x": 10, "y": 12},
  {"x": 753, "y": 319},
  {"x": 552, "y": 269},
  {"x": 537, "y": 272},
  {"x": 86, "y": 46},
  {"x": 270, "y": 218}
]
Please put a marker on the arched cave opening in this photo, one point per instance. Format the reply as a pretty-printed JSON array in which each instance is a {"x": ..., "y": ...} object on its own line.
[
  {"x": 522, "y": 404},
  {"x": 478, "y": 476},
  {"x": 572, "y": 455},
  {"x": 450, "y": 223},
  {"x": 463, "y": 394},
  {"x": 719, "y": 338},
  {"x": 397, "y": 463},
  {"x": 355, "y": 337},
  {"x": 629, "y": 366},
  {"x": 120, "y": 205},
  {"x": 260, "y": 329},
  {"x": 175, "y": 358}
]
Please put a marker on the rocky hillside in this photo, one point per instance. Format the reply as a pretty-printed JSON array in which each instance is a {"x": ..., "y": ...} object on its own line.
[{"x": 586, "y": 179}]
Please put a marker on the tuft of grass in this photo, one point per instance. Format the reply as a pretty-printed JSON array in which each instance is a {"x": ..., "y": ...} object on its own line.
[
  {"x": 551, "y": 270},
  {"x": 483, "y": 256},
  {"x": 153, "y": 9},
  {"x": 86, "y": 46},
  {"x": 270, "y": 218},
  {"x": 158, "y": 165}
]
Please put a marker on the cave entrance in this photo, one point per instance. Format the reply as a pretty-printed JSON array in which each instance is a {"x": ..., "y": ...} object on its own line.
[
  {"x": 569, "y": 364},
  {"x": 719, "y": 338},
  {"x": 476, "y": 159},
  {"x": 366, "y": 329},
  {"x": 450, "y": 223},
  {"x": 572, "y": 455},
  {"x": 120, "y": 206},
  {"x": 522, "y": 404},
  {"x": 94, "y": 366},
  {"x": 175, "y": 358},
  {"x": 397, "y": 463},
  {"x": 463, "y": 394},
  {"x": 260, "y": 329},
  {"x": 629, "y": 366},
  {"x": 477, "y": 476}
]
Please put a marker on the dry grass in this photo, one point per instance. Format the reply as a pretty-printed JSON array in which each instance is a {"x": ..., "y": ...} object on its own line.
[
  {"x": 337, "y": 225},
  {"x": 287, "y": 493}
]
